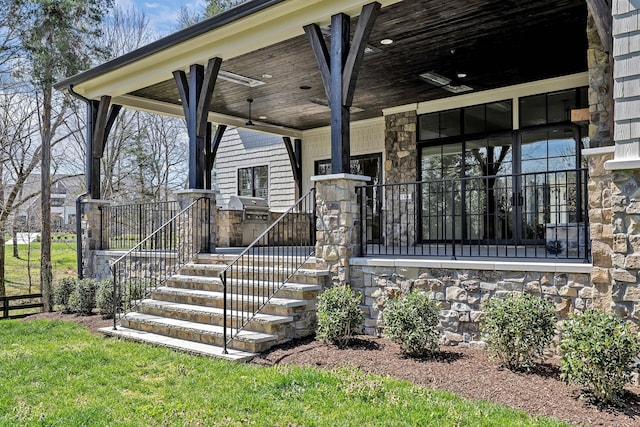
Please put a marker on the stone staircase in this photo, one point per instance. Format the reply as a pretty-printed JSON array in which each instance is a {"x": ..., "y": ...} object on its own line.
[{"x": 187, "y": 312}]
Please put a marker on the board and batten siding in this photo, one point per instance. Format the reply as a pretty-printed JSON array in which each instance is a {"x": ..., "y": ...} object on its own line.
[
  {"x": 626, "y": 53},
  {"x": 240, "y": 148},
  {"x": 367, "y": 137}
]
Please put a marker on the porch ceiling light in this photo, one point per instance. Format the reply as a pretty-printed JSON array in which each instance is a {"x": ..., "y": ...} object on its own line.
[
  {"x": 386, "y": 41},
  {"x": 238, "y": 79}
]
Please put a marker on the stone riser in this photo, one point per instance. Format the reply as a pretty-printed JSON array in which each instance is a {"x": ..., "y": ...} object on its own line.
[
  {"x": 196, "y": 336},
  {"x": 290, "y": 291},
  {"x": 304, "y": 276},
  {"x": 296, "y": 307},
  {"x": 282, "y": 330}
]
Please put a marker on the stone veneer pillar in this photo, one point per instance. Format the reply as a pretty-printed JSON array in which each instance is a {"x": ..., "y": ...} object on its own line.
[
  {"x": 400, "y": 147},
  {"x": 614, "y": 172},
  {"x": 338, "y": 223},
  {"x": 199, "y": 219},
  {"x": 93, "y": 237}
]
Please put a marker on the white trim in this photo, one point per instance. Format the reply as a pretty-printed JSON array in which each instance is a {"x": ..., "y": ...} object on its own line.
[
  {"x": 515, "y": 265},
  {"x": 319, "y": 178},
  {"x": 493, "y": 95},
  {"x": 623, "y": 164},
  {"x": 353, "y": 125}
]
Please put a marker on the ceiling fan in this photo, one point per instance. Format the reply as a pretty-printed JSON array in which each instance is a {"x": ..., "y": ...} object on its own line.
[{"x": 251, "y": 123}]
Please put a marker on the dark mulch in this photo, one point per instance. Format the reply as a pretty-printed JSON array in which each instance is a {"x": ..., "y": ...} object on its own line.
[{"x": 465, "y": 372}]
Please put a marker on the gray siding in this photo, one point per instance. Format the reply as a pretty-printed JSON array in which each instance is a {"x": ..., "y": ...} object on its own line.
[
  {"x": 240, "y": 148},
  {"x": 626, "y": 52}
]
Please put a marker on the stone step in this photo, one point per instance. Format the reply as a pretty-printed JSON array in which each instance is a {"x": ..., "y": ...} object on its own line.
[
  {"x": 265, "y": 323},
  {"x": 303, "y": 275},
  {"x": 277, "y": 306},
  {"x": 178, "y": 344},
  {"x": 276, "y": 260},
  {"x": 288, "y": 290},
  {"x": 249, "y": 341}
]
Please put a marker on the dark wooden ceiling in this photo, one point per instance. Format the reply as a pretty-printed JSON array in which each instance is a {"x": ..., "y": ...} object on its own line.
[{"x": 496, "y": 43}]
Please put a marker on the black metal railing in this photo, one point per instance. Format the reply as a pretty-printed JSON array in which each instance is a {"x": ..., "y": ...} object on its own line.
[
  {"x": 529, "y": 215},
  {"x": 252, "y": 280},
  {"x": 123, "y": 226},
  {"x": 160, "y": 255}
]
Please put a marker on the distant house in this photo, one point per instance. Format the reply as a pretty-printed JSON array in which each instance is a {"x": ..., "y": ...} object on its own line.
[{"x": 64, "y": 191}]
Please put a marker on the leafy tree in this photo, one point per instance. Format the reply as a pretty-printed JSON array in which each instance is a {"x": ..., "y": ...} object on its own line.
[
  {"x": 57, "y": 38},
  {"x": 187, "y": 17}
]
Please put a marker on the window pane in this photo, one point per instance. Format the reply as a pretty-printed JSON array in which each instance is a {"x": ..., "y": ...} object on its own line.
[
  {"x": 261, "y": 181},
  {"x": 244, "y": 182},
  {"x": 429, "y": 126},
  {"x": 474, "y": 119},
  {"x": 499, "y": 116},
  {"x": 560, "y": 105},
  {"x": 533, "y": 110},
  {"x": 450, "y": 123},
  {"x": 323, "y": 167}
]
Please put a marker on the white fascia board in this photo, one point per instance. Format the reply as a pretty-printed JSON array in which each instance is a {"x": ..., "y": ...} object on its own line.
[
  {"x": 275, "y": 24},
  {"x": 159, "y": 107}
]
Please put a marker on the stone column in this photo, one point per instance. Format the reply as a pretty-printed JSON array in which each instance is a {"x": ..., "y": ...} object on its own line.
[
  {"x": 199, "y": 221},
  {"x": 338, "y": 226},
  {"x": 93, "y": 236}
]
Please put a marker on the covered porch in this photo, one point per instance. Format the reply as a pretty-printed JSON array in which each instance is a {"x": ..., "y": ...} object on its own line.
[{"x": 415, "y": 128}]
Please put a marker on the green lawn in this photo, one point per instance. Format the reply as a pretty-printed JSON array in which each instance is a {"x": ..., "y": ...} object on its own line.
[
  {"x": 58, "y": 374},
  {"x": 63, "y": 258}
]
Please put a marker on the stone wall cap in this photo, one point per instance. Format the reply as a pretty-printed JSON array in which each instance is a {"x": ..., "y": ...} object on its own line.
[
  {"x": 515, "y": 265},
  {"x": 586, "y": 152},
  {"x": 97, "y": 201},
  {"x": 334, "y": 176},
  {"x": 622, "y": 164}
]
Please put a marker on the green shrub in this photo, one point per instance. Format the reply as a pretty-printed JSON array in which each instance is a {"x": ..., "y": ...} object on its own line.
[
  {"x": 62, "y": 293},
  {"x": 105, "y": 300},
  {"x": 598, "y": 350},
  {"x": 339, "y": 315},
  {"x": 518, "y": 328},
  {"x": 83, "y": 298},
  {"x": 412, "y": 321}
]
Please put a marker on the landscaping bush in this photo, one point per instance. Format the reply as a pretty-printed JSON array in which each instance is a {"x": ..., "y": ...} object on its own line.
[
  {"x": 598, "y": 352},
  {"x": 83, "y": 298},
  {"x": 518, "y": 328},
  {"x": 105, "y": 300},
  {"x": 339, "y": 315},
  {"x": 62, "y": 292},
  {"x": 412, "y": 321}
]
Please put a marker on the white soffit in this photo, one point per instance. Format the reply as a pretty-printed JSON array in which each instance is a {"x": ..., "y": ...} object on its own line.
[{"x": 272, "y": 25}]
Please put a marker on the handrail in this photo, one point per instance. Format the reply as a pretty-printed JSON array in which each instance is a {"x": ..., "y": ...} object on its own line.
[
  {"x": 291, "y": 238},
  {"x": 160, "y": 255}
]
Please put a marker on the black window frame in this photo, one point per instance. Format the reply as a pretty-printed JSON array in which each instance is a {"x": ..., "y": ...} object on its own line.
[{"x": 252, "y": 169}]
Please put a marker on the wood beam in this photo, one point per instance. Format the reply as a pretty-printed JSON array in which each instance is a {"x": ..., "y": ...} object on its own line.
[
  {"x": 295, "y": 159},
  {"x": 339, "y": 67},
  {"x": 215, "y": 143},
  {"x": 602, "y": 16},
  {"x": 319, "y": 48},
  {"x": 196, "y": 91},
  {"x": 356, "y": 51},
  {"x": 102, "y": 117}
]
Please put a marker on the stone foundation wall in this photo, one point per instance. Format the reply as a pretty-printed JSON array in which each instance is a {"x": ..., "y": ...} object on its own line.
[
  {"x": 461, "y": 291},
  {"x": 229, "y": 228},
  {"x": 102, "y": 260}
]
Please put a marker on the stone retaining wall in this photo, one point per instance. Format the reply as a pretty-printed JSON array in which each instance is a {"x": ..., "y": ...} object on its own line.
[{"x": 462, "y": 287}]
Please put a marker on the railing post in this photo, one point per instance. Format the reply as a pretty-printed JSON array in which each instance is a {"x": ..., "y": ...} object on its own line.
[{"x": 453, "y": 222}]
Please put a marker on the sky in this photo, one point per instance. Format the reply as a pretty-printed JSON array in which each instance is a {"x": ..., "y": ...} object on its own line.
[{"x": 162, "y": 13}]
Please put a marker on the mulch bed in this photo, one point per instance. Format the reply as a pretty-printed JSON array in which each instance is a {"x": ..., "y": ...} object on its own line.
[{"x": 465, "y": 372}]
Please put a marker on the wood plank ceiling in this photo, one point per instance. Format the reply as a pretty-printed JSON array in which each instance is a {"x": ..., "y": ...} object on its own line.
[{"x": 496, "y": 43}]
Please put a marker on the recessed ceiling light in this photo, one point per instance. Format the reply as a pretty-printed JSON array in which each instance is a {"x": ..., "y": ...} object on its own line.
[
  {"x": 305, "y": 87},
  {"x": 266, "y": 76},
  {"x": 262, "y": 117},
  {"x": 461, "y": 75},
  {"x": 386, "y": 41}
]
